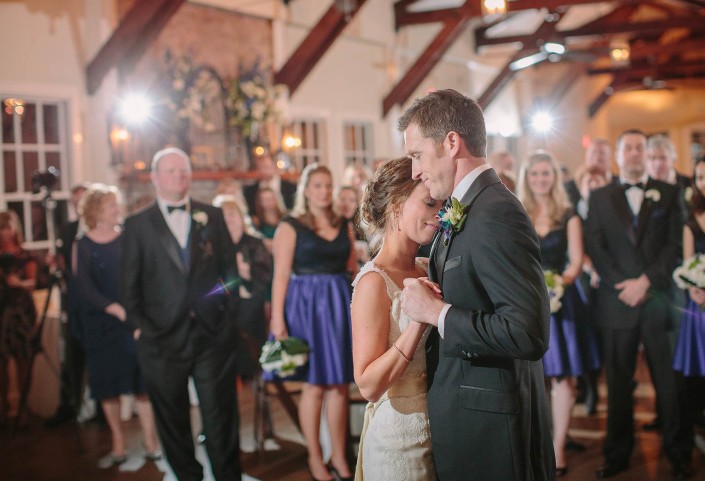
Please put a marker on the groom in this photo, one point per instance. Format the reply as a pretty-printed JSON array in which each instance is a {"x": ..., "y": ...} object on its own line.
[{"x": 487, "y": 403}]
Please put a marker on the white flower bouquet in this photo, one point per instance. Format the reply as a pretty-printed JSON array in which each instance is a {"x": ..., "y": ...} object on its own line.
[
  {"x": 284, "y": 356},
  {"x": 554, "y": 284},
  {"x": 691, "y": 273}
]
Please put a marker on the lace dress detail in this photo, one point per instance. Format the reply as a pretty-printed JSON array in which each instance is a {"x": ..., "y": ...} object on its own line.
[{"x": 395, "y": 444}]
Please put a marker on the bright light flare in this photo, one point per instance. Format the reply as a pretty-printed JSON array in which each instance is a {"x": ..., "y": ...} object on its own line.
[
  {"x": 542, "y": 122},
  {"x": 135, "y": 109}
]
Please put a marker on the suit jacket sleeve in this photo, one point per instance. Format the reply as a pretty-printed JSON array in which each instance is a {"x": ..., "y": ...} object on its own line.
[
  {"x": 131, "y": 275},
  {"x": 505, "y": 255},
  {"x": 661, "y": 269},
  {"x": 596, "y": 243}
]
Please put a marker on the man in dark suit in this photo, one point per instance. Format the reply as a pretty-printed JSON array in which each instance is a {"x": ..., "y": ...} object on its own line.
[
  {"x": 175, "y": 295},
  {"x": 268, "y": 176},
  {"x": 633, "y": 236},
  {"x": 661, "y": 164},
  {"x": 598, "y": 158},
  {"x": 487, "y": 402}
]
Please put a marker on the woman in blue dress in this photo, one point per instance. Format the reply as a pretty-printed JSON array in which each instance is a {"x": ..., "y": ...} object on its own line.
[
  {"x": 561, "y": 239},
  {"x": 689, "y": 358},
  {"x": 111, "y": 351},
  {"x": 313, "y": 259}
]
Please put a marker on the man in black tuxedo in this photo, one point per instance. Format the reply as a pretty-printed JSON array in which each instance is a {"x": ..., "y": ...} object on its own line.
[
  {"x": 268, "y": 176},
  {"x": 633, "y": 235},
  {"x": 175, "y": 295},
  {"x": 661, "y": 164},
  {"x": 487, "y": 402}
]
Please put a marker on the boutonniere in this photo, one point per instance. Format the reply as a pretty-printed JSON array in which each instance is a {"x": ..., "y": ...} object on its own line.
[
  {"x": 451, "y": 219},
  {"x": 200, "y": 217},
  {"x": 688, "y": 194},
  {"x": 652, "y": 194}
]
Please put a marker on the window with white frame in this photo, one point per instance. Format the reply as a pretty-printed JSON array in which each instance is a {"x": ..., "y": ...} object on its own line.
[
  {"x": 33, "y": 139},
  {"x": 357, "y": 143},
  {"x": 312, "y": 135}
]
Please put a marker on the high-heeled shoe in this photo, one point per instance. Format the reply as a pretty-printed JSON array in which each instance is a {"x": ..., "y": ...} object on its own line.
[
  {"x": 336, "y": 474},
  {"x": 316, "y": 479}
]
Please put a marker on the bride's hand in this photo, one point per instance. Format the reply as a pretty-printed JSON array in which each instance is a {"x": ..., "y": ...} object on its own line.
[{"x": 434, "y": 287}]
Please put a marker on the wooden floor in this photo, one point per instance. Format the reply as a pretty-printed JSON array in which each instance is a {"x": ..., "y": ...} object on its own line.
[{"x": 73, "y": 452}]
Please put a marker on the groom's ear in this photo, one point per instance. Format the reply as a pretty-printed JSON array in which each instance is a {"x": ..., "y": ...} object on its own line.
[{"x": 453, "y": 142}]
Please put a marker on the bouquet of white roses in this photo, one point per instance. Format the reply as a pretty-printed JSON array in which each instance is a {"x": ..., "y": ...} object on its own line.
[
  {"x": 284, "y": 356},
  {"x": 691, "y": 273},
  {"x": 554, "y": 284}
]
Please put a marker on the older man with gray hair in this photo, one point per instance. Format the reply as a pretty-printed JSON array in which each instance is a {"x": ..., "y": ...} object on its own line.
[{"x": 660, "y": 163}]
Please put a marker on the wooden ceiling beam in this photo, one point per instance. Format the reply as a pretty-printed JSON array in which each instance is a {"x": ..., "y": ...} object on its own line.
[
  {"x": 606, "y": 29},
  {"x": 314, "y": 46},
  {"x": 140, "y": 25},
  {"x": 424, "y": 64},
  {"x": 650, "y": 70}
]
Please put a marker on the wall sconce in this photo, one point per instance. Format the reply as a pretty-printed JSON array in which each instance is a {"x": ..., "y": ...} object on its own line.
[
  {"x": 290, "y": 142},
  {"x": 619, "y": 53},
  {"x": 14, "y": 106},
  {"x": 493, "y": 8}
]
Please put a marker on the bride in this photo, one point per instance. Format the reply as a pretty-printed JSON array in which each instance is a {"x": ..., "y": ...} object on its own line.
[{"x": 388, "y": 349}]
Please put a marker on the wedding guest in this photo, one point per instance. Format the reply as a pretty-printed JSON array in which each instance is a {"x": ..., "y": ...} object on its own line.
[
  {"x": 253, "y": 263},
  {"x": 268, "y": 212},
  {"x": 689, "y": 359},
  {"x": 388, "y": 349},
  {"x": 172, "y": 278},
  {"x": 661, "y": 160},
  {"x": 18, "y": 277},
  {"x": 346, "y": 203},
  {"x": 598, "y": 161},
  {"x": 502, "y": 162},
  {"x": 313, "y": 255},
  {"x": 356, "y": 175},
  {"x": 268, "y": 176},
  {"x": 561, "y": 240},
  {"x": 111, "y": 351},
  {"x": 633, "y": 235}
]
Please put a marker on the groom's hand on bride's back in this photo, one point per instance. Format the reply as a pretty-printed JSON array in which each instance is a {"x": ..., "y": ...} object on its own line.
[{"x": 421, "y": 300}]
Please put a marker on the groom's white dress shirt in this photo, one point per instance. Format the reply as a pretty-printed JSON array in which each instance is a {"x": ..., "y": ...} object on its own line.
[
  {"x": 459, "y": 192},
  {"x": 179, "y": 221}
]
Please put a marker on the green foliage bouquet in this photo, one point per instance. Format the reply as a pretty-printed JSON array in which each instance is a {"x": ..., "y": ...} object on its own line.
[{"x": 284, "y": 356}]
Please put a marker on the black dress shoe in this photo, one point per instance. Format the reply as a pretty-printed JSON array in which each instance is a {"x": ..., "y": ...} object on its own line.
[
  {"x": 611, "y": 468},
  {"x": 571, "y": 445},
  {"x": 681, "y": 471}
]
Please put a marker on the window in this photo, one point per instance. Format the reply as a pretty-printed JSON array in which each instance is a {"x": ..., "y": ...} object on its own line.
[
  {"x": 312, "y": 135},
  {"x": 357, "y": 143},
  {"x": 33, "y": 138}
]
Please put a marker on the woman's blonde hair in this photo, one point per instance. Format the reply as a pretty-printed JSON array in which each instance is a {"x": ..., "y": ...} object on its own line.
[
  {"x": 92, "y": 202},
  {"x": 10, "y": 219},
  {"x": 558, "y": 199},
  {"x": 301, "y": 209}
]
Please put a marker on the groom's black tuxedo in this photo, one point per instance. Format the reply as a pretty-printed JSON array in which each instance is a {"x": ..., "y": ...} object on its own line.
[
  {"x": 624, "y": 247},
  {"x": 487, "y": 402},
  {"x": 175, "y": 297}
]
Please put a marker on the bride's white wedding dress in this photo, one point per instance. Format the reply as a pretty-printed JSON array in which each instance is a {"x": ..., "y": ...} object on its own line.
[{"x": 395, "y": 444}]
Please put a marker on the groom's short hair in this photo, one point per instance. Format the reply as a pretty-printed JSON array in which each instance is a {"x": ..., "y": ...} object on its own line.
[{"x": 443, "y": 111}]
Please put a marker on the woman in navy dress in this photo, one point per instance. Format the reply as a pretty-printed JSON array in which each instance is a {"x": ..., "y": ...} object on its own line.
[
  {"x": 111, "y": 351},
  {"x": 313, "y": 259},
  {"x": 560, "y": 235},
  {"x": 689, "y": 358}
]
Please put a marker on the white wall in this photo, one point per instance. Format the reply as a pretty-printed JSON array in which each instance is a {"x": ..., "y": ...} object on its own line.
[{"x": 45, "y": 45}]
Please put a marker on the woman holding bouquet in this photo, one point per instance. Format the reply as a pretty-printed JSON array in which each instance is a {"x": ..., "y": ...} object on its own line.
[
  {"x": 560, "y": 235},
  {"x": 313, "y": 255},
  {"x": 689, "y": 358},
  {"x": 388, "y": 348}
]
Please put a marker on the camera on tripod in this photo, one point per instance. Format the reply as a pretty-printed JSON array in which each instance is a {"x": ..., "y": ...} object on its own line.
[{"x": 44, "y": 180}]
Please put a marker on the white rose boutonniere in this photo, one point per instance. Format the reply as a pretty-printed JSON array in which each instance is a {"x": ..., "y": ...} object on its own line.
[
  {"x": 688, "y": 194},
  {"x": 200, "y": 217},
  {"x": 652, "y": 194}
]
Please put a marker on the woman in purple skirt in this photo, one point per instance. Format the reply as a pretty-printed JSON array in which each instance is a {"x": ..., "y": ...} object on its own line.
[
  {"x": 689, "y": 358},
  {"x": 313, "y": 260},
  {"x": 560, "y": 236}
]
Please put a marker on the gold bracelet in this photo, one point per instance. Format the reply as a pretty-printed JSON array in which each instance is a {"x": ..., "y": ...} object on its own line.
[{"x": 402, "y": 354}]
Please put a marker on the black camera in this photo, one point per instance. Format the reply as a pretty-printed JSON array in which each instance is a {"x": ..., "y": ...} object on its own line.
[{"x": 44, "y": 180}]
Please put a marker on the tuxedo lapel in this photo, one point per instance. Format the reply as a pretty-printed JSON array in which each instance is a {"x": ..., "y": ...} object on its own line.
[
  {"x": 166, "y": 238},
  {"x": 432, "y": 265},
  {"x": 623, "y": 211}
]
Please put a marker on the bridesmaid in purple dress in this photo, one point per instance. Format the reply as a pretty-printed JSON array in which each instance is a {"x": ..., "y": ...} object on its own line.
[
  {"x": 313, "y": 259},
  {"x": 560, "y": 236},
  {"x": 689, "y": 358}
]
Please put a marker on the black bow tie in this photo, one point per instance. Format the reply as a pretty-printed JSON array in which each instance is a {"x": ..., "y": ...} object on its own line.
[
  {"x": 638, "y": 185},
  {"x": 172, "y": 208}
]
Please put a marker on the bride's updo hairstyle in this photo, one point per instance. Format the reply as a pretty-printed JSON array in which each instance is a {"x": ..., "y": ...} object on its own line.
[{"x": 390, "y": 186}]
